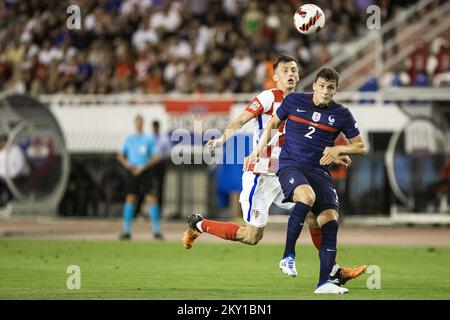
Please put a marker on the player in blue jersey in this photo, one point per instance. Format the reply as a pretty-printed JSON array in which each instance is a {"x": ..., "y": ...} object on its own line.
[
  {"x": 137, "y": 156},
  {"x": 313, "y": 121}
]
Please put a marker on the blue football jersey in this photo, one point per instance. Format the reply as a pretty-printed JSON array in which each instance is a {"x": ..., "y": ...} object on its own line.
[
  {"x": 309, "y": 129},
  {"x": 138, "y": 149}
]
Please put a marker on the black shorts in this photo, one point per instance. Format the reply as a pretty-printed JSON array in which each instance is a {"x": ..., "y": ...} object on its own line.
[
  {"x": 320, "y": 181},
  {"x": 5, "y": 193},
  {"x": 141, "y": 184}
]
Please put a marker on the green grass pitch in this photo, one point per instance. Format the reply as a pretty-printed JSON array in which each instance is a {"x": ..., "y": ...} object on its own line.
[{"x": 37, "y": 269}]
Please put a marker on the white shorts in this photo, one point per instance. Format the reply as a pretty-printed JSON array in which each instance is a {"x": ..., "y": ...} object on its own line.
[{"x": 258, "y": 194}]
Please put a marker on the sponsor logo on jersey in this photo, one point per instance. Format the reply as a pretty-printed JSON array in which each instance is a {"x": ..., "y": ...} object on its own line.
[
  {"x": 356, "y": 125},
  {"x": 316, "y": 116},
  {"x": 300, "y": 110},
  {"x": 291, "y": 181}
]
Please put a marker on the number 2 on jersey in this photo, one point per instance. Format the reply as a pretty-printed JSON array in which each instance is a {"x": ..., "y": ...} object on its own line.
[{"x": 311, "y": 131}]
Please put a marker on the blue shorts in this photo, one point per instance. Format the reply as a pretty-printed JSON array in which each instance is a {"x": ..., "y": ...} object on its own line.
[{"x": 320, "y": 181}]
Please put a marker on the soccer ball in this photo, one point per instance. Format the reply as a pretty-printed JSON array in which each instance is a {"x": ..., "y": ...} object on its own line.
[{"x": 309, "y": 18}]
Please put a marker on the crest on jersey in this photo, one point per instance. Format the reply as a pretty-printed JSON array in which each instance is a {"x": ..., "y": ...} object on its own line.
[
  {"x": 256, "y": 214},
  {"x": 331, "y": 120},
  {"x": 316, "y": 116},
  {"x": 143, "y": 149}
]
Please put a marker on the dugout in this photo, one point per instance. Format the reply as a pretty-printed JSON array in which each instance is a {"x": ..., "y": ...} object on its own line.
[{"x": 35, "y": 161}]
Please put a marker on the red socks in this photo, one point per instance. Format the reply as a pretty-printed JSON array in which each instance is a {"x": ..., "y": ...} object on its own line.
[
  {"x": 224, "y": 230},
  {"x": 316, "y": 236}
]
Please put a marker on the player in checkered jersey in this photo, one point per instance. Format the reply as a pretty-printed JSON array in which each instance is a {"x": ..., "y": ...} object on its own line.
[{"x": 260, "y": 185}]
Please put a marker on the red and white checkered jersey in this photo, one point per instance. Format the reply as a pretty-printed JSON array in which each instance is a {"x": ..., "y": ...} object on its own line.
[{"x": 263, "y": 106}]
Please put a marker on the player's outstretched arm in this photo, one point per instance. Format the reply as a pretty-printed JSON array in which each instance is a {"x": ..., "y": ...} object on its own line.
[
  {"x": 231, "y": 129},
  {"x": 266, "y": 136},
  {"x": 356, "y": 146}
]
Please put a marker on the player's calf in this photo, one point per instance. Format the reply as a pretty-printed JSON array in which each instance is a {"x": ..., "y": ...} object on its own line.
[
  {"x": 198, "y": 225},
  {"x": 251, "y": 240}
]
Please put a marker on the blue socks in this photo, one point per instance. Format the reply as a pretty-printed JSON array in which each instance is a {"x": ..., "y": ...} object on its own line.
[
  {"x": 327, "y": 252},
  {"x": 153, "y": 212},
  {"x": 128, "y": 212},
  {"x": 294, "y": 227}
]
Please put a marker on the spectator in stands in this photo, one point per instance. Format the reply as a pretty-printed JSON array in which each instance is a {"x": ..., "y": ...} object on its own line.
[
  {"x": 439, "y": 63},
  {"x": 252, "y": 20},
  {"x": 398, "y": 77},
  {"x": 417, "y": 63},
  {"x": 104, "y": 56}
]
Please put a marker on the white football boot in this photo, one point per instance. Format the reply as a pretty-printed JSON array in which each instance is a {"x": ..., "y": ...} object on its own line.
[
  {"x": 287, "y": 265},
  {"x": 330, "y": 287}
]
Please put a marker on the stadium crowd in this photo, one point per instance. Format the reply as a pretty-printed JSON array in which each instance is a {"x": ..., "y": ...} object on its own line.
[{"x": 185, "y": 46}]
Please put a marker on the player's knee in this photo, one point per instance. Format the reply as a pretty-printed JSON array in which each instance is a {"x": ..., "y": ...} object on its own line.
[
  {"x": 252, "y": 239},
  {"x": 150, "y": 199},
  {"x": 304, "y": 194},
  {"x": 130, "y": 198},
  {"x": 327, "y": 216},
  {"x": 311, "y": 220}
]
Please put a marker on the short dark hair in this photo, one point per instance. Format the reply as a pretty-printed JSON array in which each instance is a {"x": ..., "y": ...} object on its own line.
[
  {"x": 328, "y": 73},
  {"x": 283, "y": 58}
]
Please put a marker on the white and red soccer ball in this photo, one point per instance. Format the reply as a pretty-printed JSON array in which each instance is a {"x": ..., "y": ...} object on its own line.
[{"x": 309, "y": 18}]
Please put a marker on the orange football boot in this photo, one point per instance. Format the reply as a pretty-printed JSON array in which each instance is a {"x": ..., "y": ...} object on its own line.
[{"x": 348, "y": 273}]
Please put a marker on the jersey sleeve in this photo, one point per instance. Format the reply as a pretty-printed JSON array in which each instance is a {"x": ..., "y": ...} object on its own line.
[
  {"x": 350, "y": 128},
  {"x": 282, "y": 111},
  {"x": 151, "y": 148},
  {"x": 125, "y": 146},
  {"x": 261, "y": 103}
]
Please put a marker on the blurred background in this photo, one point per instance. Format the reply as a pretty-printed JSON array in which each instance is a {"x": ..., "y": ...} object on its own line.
[{"x": 69, "y": 97}]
